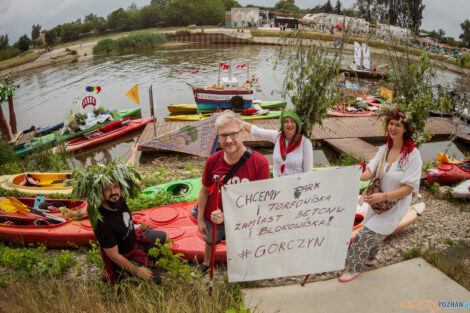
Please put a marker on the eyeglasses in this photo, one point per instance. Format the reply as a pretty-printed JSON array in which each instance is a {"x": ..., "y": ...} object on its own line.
[{"x": 231, "y": 135}]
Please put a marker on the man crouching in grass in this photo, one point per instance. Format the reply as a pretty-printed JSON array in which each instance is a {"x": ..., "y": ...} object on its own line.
[{"x": 124, "y": 248}]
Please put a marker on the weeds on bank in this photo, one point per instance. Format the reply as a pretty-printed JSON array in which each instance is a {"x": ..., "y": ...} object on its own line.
[
  {"x": 42, "y": 159},
  {"x": 33, "y": 262},
  {"x": 132, "y": 42},
  {"x": 453, "y": 261}
]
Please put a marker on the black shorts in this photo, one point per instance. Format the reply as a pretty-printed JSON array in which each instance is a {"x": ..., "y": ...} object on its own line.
[{"x": 156, "y": 238}]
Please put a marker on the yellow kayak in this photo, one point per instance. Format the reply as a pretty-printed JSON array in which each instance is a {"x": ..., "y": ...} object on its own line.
[
  {"x": 49, "y": 183},
  {"x": 198, "y": 117},
  {"x": 192, "y": 108},
  {"x": 182, "y": 108}
]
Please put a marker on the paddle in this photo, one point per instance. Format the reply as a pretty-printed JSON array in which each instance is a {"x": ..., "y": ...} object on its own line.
[{"x": 13, "y": 205}]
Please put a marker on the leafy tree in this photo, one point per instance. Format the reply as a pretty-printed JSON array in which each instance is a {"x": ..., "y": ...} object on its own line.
[
  {"x": 327, "y": 8},
  {"x": 90, "y": 17},
  {"x": 286, "y": 6},
  {"x": 23, "y": 43},
  {"x": 86, "y": 27},
  {"x": 365, "y": 9},
  {"x": 200, "y": 12},
  {"x": 35, "y": 32},
  {"x": 338, "y": 7},
  {"x": 122, "y": 20},
  {"x": 70, "y": 31},
  {"x": 414, "y": 11},
  {"x": 160, "y": 3},
  {"x": 132, "y": 7},
  {"x": 100, "y": 24},
  {"x": 465, "y": 36},
  {"x": 4, "y": 41},
  {"x": 149, "y": 16},
  {"x": 50, "y": 36},
  {"x": 231, "y": 4}
]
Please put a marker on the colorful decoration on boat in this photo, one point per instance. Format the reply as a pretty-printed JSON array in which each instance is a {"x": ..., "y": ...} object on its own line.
[
  {"x": 88, "y": 100},
  {"x": 443, "y": 158},
  {"x": 198, "y": 138},
  {"x": 133, "y": 93},
  {"x": 93, "y": 88},
  {"x": 386, "y": 93}
]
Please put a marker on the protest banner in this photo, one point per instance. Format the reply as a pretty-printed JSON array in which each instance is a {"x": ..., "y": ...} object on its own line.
[{"x": 292, "y": 225}]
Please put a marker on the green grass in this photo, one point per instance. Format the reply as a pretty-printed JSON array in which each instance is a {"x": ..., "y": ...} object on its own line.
[{"x": 29, "y": 56}]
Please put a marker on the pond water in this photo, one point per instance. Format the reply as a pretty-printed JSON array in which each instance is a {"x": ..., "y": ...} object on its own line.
[{"x": 47, "y": 96}]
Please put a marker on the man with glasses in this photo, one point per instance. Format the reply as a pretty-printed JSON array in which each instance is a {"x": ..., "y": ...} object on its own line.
[{"x": 229, "y": 128}]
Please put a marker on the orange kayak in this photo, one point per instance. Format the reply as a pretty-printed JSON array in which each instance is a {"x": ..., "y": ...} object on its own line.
[{"x": 181, "y": 227}]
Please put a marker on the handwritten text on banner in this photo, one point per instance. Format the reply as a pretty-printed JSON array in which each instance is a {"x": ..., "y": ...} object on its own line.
[{"x": 292, "y": 225}]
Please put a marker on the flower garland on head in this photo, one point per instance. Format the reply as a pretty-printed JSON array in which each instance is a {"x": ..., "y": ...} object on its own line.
[{"x": 393, "y": 112}]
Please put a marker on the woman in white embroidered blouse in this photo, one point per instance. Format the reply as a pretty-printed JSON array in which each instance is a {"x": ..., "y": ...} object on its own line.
[
  {"x": 400, "y": 176},
  {"x": 293, "y": 152}
]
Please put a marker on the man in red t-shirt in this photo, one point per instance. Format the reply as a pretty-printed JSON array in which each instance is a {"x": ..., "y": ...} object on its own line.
[{"x": 229, "y": 127}]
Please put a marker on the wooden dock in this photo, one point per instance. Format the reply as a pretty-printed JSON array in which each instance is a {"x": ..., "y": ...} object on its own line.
[{"x": 344, "y": 134}]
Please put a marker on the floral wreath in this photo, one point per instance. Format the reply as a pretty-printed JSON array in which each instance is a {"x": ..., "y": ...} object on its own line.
[{"x": 414, "y": 121}]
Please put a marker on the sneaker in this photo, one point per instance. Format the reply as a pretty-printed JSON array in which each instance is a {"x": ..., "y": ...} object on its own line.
[
  {"x": 203, "y": 269},
  {"x": 348, "y": 276}
]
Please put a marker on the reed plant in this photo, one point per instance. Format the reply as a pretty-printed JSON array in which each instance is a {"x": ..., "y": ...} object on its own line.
[{"x": 131, "y": 43}]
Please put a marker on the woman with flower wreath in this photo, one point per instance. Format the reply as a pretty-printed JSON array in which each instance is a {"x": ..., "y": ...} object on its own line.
[
  {"x": 400, "y": 176},
  {"x": 293, "y": 152}
]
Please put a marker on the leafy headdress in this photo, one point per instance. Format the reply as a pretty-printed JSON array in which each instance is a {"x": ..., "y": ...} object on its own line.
[{"x": 90, "y": 183}]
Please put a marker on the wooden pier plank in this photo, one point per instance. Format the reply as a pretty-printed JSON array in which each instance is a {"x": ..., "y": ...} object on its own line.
[{"x": 358, "y": 148}]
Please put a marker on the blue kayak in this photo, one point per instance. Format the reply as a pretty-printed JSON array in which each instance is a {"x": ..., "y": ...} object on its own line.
[{"x": 44, "y": 130}]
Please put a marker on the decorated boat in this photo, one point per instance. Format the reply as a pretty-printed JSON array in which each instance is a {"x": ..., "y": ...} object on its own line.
[
  {"x": 65, "y": 208},
  {"x": 106, "y": 133},
  {"x": 48, "y": 183}
]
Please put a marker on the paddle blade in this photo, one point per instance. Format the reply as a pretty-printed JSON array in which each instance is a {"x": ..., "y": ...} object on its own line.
[
  {"x": 20, "y": 206},
  {"x": 7, "y": 206}
]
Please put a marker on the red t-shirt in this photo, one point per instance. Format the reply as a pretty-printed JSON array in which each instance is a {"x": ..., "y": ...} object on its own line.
[{"x": 255, "y": 168}]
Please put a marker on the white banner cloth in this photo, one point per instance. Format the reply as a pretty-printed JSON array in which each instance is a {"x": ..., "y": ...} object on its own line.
[{"x": 292, "y": 225}]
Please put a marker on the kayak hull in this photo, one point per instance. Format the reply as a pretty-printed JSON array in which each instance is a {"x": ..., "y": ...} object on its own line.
[
  {"x": 63, "y": 235},
  {"x": 111, "y": 131},
  {"x": 179, "y": 109},
  {"x": 448, "y": 173},
  {"x": 47, "y": 183},
  {"x": 197, "y": 117},
  {"x": 183, "y": 190}
]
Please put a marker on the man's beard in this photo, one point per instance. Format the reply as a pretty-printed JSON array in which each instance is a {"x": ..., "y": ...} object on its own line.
[{"x": 119, "y": 205}]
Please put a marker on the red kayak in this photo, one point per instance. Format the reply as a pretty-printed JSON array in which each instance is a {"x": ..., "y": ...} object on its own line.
[
  {"x": 72, "y": 209},
  {"x": 180, "y": 225},
  {"x": 106, "y": 133},
  {"x": 446, "y": 173},
  {"x": 31, "y": 228},
  {"x": 62, "y": 235}
]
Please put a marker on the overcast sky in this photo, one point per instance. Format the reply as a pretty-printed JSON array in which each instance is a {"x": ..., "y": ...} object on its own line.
[{"x": 17, "y": 16}]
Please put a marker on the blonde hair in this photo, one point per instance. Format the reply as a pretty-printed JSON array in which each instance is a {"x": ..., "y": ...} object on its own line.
[{"x": 227, "y": 117}]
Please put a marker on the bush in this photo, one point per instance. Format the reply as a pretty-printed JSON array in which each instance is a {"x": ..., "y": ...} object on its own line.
[
  {"x": 9, "y": 53},
  {"x": 23, "y": 43},
  {"x": 104, "y": 46},
  {"x": 133, "y": 42}
]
